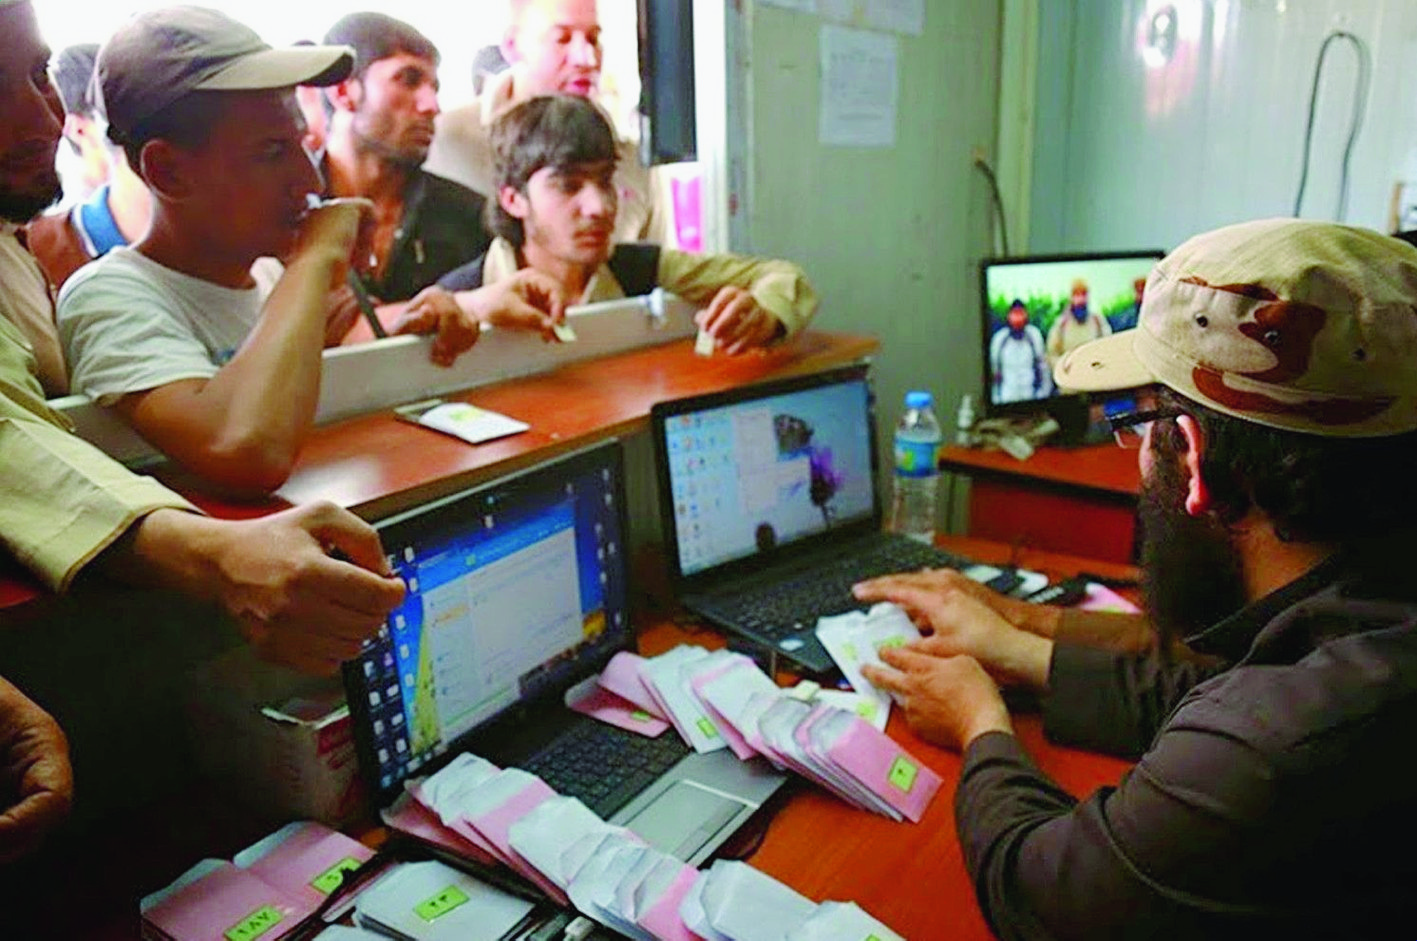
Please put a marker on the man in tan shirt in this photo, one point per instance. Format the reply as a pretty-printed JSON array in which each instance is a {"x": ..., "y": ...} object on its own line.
[
  {"x": 68, "y": 510},
  {"x": 554, "y": 48}
]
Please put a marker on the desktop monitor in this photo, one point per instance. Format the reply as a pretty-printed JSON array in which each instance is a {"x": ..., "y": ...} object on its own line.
[{"x": 1037, "y": 308}]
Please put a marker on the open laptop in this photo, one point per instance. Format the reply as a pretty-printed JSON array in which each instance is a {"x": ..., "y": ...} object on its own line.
[
  {"x": 517, "y": 591},
  {"x": 771, "y": 508}
]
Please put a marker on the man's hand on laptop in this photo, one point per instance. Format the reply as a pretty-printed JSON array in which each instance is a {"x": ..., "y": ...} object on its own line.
[
  {"x": 1034, "y": 618},
  {"x": 958, "y": 622},
  {"x": 283, "y": 577}
]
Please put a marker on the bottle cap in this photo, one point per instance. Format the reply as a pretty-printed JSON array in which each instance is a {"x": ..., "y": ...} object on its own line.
[{"x": 919, "y": 399}]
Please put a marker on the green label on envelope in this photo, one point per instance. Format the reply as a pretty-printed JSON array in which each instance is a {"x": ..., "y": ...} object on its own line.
[
  {"x": 707, "y": 727},
  {"x": 329, "y": 880},
  {"x": 892, "y": 642},
  {"x": 902, "y": 774},
  {"x": 435, "y": 907},
  {"x": 866, "y": 710},
  {"x": 639, "y": 715},
  {"x": 255, "y": 924}
]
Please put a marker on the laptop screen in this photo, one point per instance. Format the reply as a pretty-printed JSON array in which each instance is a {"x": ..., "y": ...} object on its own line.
[
  {"x": 767, "y": 468},
  {"x": 516, "y": 590}
]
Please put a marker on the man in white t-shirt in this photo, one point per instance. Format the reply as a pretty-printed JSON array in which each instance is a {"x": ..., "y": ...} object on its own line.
[{"x": 213, "y": 365}]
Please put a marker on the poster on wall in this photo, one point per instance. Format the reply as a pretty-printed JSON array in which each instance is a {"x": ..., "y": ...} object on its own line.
[
  {"x": 860, "y": 87},
  {"x": 894, "y": 16}
]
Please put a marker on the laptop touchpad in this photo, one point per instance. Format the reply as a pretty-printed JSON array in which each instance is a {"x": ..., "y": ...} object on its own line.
[{"x": 684, "y": 818}]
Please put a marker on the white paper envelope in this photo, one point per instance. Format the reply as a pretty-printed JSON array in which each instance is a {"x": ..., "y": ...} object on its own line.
[
  {"x": 542, "y": 836},
  {"x": 692, "y": 913},
  {"x": 694, "y": 675},
  {"x": 748, "y": 905},
  {"x": 578, "y": 853},
  {"x": 466, "y": 771},
  {"x": 728, "y": 695},
  {"x": 470, "y": 423},
  {"x": 870, "y": 707},
  {"x": 592, "y": 891},
  {"x": 685, "y": 710},
  {"x": 431, "y": 901},
  {"x": 854, "y": 639},
  {"x": 842, "y": 921},
  {"x": 622, "y": 901}
]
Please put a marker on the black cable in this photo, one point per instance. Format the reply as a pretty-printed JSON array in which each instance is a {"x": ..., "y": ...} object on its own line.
[
  {"x": 1359, "y": 100},
  {"x": 988, "y": 171}
]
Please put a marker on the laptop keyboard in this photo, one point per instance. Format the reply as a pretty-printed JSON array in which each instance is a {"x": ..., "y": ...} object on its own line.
[
  {"x": 604, "y": 766},
  {"x": 777, "y": 609}
]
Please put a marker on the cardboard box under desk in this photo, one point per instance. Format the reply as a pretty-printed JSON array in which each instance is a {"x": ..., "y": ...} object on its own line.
[{"x": 273, "y": 739}]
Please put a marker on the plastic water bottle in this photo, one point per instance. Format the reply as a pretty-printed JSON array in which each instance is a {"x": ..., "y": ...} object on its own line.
[{"x": 917, "y": 473}]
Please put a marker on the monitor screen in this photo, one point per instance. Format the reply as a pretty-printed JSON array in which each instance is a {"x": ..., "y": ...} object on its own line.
[
  {"x": 754, "y": 475},
  {"x": 1038, "y": 308},
  {"x": 515, "y": 590}
]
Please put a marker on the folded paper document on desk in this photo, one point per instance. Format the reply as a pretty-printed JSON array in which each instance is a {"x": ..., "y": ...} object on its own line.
[
  {"x": 611, "y": 875},
  {"x": 267, "y": 890},
  {"x": 721, "y": 699}
]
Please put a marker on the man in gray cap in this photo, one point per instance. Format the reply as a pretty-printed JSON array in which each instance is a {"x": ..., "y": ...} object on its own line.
[
  {"x": 68, "y": 511},
  {"x": 203, "y": 356},
  {"x": 1276, "y": 416}
]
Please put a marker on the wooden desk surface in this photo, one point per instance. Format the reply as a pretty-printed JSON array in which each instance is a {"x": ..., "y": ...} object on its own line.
[
  {"x": 1103, "y": 468},
  {"x": 377, "y": 465},
  {"x": 910, "y": 875}
]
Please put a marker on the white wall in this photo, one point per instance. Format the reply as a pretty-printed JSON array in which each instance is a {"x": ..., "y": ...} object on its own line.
[{"x": 1135, "y": 155}]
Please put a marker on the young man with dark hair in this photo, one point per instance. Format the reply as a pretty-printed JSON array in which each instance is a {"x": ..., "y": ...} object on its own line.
[
  {"x": 68, "y": 512},
  {"x": 1276, "y": 451},
  {"x": 555, "y": 214},
  {"x": 117, "y": 210},
  {"x": 184, "y": 335},
  {"x": 379, "y": 130},
  {"x": 553, "y": 48}
]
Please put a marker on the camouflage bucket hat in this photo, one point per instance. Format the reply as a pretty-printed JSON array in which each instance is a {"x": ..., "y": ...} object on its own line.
[{"x": 1305, "y": 326}]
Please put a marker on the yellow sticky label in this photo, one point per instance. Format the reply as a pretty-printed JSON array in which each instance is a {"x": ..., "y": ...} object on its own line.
[
  {"x": 329, "y": 880},
  {"x": 902, "y": 774},
  {"x": 464, "y": 413},
  {"x": 255, "y": 924},
  {"x": 708, "y": 728},
  {"x": 435, "y": 907}
]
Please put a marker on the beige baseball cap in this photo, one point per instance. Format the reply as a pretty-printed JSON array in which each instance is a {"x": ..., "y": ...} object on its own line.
[
  {"x": 158, "y": 57},
  {"x": 1305, "y": 326}
]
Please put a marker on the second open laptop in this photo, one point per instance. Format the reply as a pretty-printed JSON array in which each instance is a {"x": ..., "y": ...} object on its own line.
[
  {"x": 771, "y": 507},
  {"x": 518, "y": 591}
]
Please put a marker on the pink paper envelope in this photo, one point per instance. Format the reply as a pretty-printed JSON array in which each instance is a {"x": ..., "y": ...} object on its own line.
[
  {"x": 1102, "y": 598},
  {"x": 727, "y": 729},
  {"x": 806, "y": 736},
  {"x": 663, "y": 920},
  {"x": 409, "y": 816},
  {"x": 891, "y": 773},
  {"x": 600, "y": 703},
  {"x": 621, "y": 676},
  {"x": 462, "y": 829},
  {"x": 305, "y": 858},
  {"x": 229, "y": 901},
  {"x": 496, "y": 824}
]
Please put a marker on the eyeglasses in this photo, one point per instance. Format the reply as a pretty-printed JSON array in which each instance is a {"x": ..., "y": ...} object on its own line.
[{"x": 1130, "y": 428}]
